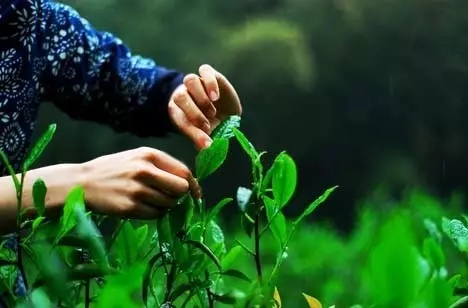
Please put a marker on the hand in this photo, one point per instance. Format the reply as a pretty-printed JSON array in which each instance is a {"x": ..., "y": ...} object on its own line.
[
  {"x": 201, "y": 103},
  {"x": 143, "y": 183}
]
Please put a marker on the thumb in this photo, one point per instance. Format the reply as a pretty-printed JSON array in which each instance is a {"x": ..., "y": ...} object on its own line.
[{"x": 200, "y": 138}]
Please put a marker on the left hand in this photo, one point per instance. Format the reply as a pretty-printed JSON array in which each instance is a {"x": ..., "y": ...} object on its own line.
[{"x": 201, "y": 103}]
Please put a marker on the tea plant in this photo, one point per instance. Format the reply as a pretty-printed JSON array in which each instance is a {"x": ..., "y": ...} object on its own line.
[{"x": 179, "y": 261}]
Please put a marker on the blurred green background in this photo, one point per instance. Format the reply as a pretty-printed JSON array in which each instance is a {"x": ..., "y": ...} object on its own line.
[{"x": 368, "y": 95}]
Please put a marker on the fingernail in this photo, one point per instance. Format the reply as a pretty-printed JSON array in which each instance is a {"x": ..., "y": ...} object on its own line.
[
  {"x": 213, "y": 96},
  {"x": 207, "y": 143}
]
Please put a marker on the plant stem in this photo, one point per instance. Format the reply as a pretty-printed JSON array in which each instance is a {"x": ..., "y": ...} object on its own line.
[
  {"x": 460, "y": 302},
  {"x": 283, "y": 250},
  {"x": 87, "y": 293},
  {"x": 208, "y": 292},
  {"x": 19, "y": 253},
  {"x": 258, "y": 263}
]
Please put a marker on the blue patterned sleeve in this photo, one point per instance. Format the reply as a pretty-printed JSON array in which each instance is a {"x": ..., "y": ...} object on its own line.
[{"x": 91, "y": 75}]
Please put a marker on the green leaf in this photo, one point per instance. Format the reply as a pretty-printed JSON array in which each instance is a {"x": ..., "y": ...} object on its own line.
[
  {"x": 39, "y": 147},
  {"x": 243, "y": 197},
  {"x": 68, "y": 221},
  {"x": 247, "y": 224},
  {"x": 315, "y": 204},
  {"x": 37, "y": 222},
  {"x": 12, "y": 172},
  {"x": 217, "y": 208},
  {"x": 457, "y": 232},
  {"x": 124, "y": 245},
  {"x": 230, "y": 257},
  {"x": 225, "y": 128},
  {"x": 434, "y": 253},
  {"x": 236, "y": 274},
  {"x": 119, "y": 289},
  {"x": 228, "y": 299},
  {"x": 207, "y": 251},
  {"x": 181, "y": 289},
  {"x": 276, "y": 219},
  {"x": 40, "y": 299},
  {"x": 141, "y": 234},
  {"x": 87, "y": 230},
  {"x": 284, "y": 179},
  {"x": 39, "y": 195},
  {"x": 90, "y": 271},
  {"x": 211, "y": 158},
  {"x": 53, "y": 271},
  {"x": 246, "y": 145},
  {"x": 394, "y": 272}
]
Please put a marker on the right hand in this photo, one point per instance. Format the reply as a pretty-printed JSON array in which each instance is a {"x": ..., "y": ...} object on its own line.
[{"x": 143, "y": 183}]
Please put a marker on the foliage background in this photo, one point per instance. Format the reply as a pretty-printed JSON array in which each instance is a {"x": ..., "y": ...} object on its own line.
[{"x": 368, "y": 95}]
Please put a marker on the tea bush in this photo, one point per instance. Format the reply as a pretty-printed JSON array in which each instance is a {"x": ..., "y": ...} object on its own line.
[{"x": 395, "y": 258}]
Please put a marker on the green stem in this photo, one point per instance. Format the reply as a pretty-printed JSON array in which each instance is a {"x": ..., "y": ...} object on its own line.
[
  {"x": 280, "y": 258},
  {"x": 460, "y": 302},
  {"x": 19, "y": 251},
  {"x": 258, "y": 263}
]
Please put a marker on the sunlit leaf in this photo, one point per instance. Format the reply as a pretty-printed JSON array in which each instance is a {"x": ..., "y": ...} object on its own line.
[
  {"x": 312, "y": 301},
  {"x": 277, "y": 298}
]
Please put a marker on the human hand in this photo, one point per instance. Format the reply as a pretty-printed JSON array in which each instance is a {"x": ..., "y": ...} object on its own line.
[
  {"x": 201, "y": 103},
  {"x": 143, "y": 183}
]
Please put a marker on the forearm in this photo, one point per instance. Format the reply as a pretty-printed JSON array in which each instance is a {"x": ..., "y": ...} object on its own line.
[{"x": 59, "y": 179}]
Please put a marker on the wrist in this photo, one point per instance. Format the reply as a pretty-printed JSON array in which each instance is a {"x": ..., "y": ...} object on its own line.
[{"x": 59, "y": 180}]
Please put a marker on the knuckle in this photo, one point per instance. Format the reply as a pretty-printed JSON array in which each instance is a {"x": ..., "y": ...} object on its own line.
[
  {"x": 190, "y": 78},
  {"x": 205, "y": 67},
  {"x": 139, "y": 170},
  {"x": 180, "y": 96},
  {"x": 147, "y": 153}
]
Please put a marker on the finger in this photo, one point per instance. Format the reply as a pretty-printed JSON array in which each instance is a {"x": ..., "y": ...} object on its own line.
[
  {"x": 208, "y": 76},
  {"x": 169, "y": 165},
  {"x": 197, "y": 91},
  {"x": 171, "y": 183},
  {"x": 156, "y": 199},
  {"x": 144, "y": 211},
  {"x": 194, "y": 115},
  {"x": 199, "y": 137}
]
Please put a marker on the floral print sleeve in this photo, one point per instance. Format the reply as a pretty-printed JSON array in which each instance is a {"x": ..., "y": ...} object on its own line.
[{"x": 92, "y": 75}]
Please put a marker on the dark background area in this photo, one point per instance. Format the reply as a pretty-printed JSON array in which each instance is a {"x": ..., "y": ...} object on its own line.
[{"x": 363, "y": 94}]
